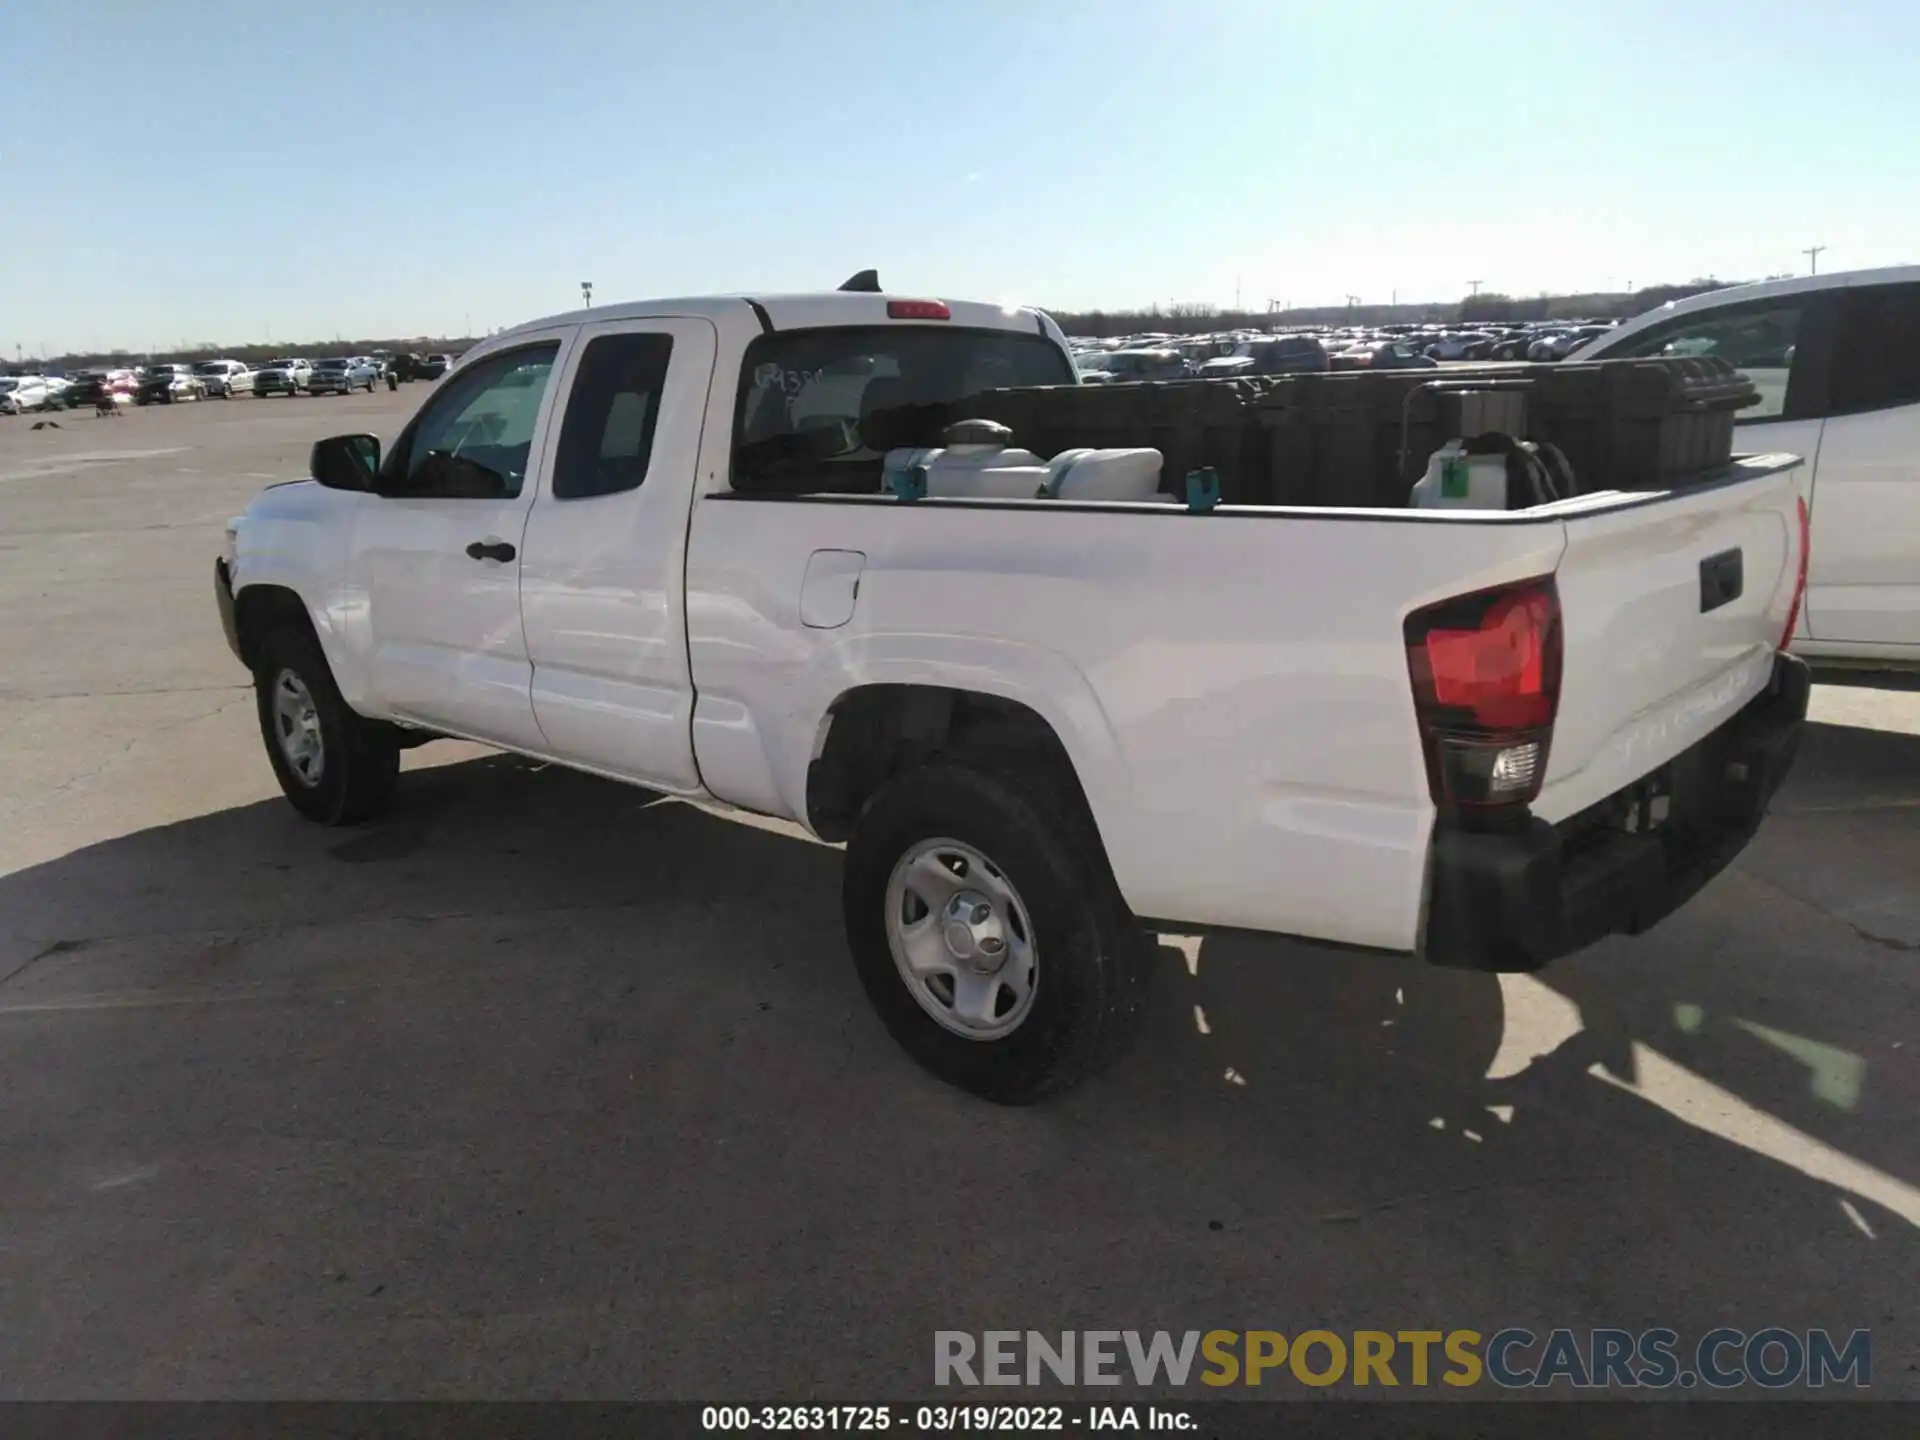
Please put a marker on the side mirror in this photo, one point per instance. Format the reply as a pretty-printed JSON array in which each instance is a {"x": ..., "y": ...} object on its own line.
[{"x": 345, "y": 462}]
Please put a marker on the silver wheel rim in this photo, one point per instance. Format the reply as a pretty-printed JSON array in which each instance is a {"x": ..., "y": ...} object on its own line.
[
  {"x": 296, "y": 726},
  {"x": 962, "y": 939}
]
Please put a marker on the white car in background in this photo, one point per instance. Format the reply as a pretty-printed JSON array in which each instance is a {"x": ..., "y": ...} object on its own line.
[
  {"x": 1836, "y": 359},
  {"x": 1091, "y": 367},
  {"x": 224, "y": 378},
  {"x": 21, "y": 393},
  {"x": 281, "y": 377}
]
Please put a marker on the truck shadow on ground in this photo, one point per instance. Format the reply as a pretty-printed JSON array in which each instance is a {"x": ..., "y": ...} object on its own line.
[{"x": 542, "y": 1056}]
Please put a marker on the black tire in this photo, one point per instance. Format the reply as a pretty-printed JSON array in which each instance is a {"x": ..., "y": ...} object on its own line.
[
  {"x": 1093, "y": 961},
  {"x": 360, "y": 759}
]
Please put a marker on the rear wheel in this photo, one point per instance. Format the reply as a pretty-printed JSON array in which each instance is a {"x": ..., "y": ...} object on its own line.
[
  {"x": 987, "y": 931},
  {"x": 335, "y": 767}
]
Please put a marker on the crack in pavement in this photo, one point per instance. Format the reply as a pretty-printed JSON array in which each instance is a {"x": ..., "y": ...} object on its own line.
[
  {"x": 1427, "y": 1197},
  {"x": 1887, "y": 942},
  {"x": 254, "y": 933},
  {"x": 112, "y": 760},
  {"x": 8, "y": 696},
  {"x": 58, "y": 947}
]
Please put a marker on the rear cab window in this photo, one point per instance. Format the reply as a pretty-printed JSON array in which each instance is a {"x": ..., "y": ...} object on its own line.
[{"x": 819, "y": 409}]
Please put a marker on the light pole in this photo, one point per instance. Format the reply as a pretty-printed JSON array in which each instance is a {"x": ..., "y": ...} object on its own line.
[
  {"x": 1812, "y": 252},
  {"x": 586, "y": 292}
]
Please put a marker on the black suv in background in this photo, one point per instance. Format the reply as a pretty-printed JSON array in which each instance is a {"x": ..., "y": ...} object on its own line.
[
  {"x": 166, "y": 382},
  {"x": 89, "y": 387},
  {"x": 1281, "y": 355}
]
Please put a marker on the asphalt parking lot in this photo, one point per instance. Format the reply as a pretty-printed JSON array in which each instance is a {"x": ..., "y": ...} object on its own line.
[{"x": 542, "y": 1088}]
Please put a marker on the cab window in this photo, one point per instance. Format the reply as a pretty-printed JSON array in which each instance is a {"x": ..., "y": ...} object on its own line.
[{"x": 606, "y": 439}]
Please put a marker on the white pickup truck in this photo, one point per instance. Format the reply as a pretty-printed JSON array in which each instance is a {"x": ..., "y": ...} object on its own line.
[
  {"x": 1836, "y": 361},
  {"x": 653, "y": 542}
]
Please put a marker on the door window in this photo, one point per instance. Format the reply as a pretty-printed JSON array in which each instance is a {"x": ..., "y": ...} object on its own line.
[
  {"x": 607, "y": 436},
  {"x": 474, "y": 439},
  {"x": 1758, "y": 340},
  {"x": 1876, "y": 361}
]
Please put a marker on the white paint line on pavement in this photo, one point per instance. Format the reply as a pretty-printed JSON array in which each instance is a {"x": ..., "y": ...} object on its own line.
[
  {"x": 132, "y": 1177},
  {"x": 1697, "y": 1101},
  {"x": 1858, "y": 1219},
  {"x": 1537, "y": 1021}
]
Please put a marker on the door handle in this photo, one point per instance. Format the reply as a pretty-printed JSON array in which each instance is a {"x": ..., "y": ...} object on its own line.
[{"x": 491, "y": 550}]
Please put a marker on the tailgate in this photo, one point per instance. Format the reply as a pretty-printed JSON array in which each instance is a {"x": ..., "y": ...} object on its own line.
[{"x": 1673, "y": 608}]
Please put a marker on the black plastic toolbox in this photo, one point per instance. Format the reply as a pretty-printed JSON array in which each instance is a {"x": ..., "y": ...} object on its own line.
[
  {"x": 1622, "y": 424},
  {"x": 1658, "y": 420},
  {"x": 1362, "y": 438}
]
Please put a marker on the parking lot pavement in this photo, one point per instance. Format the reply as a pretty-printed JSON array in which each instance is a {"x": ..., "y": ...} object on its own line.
[{"x": 543, "y": 1087}]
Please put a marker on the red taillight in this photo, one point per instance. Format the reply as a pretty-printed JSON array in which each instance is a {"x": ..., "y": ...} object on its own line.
[
  {"x": 1486, "y": 687},
  {"x": 1800, "y": 580},
  {"x": 918, "y": 310}
]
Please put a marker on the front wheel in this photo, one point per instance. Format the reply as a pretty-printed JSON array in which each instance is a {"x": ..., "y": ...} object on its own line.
[
  {"x": 335, "y": 767},
  {"x": 988, "y": 932}
]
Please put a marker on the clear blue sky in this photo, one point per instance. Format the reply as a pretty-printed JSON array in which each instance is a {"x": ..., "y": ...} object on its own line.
[{"x": 232, "y": 171}]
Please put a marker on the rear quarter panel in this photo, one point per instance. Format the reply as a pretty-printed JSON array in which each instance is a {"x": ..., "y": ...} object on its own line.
[{"x": 1232, "y": 689}]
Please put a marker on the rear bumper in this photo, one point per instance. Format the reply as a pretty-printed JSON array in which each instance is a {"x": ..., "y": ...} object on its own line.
[{"x": 1516, "y": 899}]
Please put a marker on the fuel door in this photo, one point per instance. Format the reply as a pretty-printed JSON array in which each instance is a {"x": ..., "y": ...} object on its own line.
[{"x": 831, "y": 587}]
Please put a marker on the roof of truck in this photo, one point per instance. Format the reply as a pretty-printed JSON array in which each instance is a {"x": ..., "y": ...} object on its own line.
[
  {"x": 1738, "y": 294},
  {"x": 800, "y": 311}
]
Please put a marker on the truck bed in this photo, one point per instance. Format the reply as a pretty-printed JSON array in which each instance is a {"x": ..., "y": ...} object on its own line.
[{"x": 1232, "y": 688}]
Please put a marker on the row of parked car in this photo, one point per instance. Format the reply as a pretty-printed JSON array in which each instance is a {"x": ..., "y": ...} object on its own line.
[
  {"x": 167, "y": 382},
  {"x": 1314, "y": 349},
  {"x": 1219, "y": 358}
]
